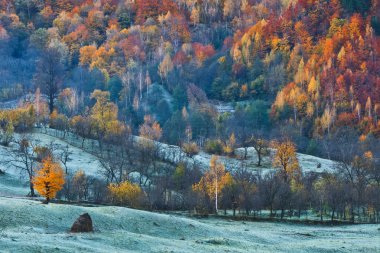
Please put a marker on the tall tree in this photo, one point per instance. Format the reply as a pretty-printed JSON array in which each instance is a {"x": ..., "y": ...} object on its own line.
[
  {"x": 104, "y": 117},
  {"x": 23, "y": 158},
  {"x": 50, "y": 74},
  {"x": 49, "y": 179},
  {"x": 214, "y": 180},
  {"x": 286, "y": 160}
]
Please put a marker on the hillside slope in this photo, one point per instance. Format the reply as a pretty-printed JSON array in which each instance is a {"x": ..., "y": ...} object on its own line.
[{"x": 14, "y": 183}]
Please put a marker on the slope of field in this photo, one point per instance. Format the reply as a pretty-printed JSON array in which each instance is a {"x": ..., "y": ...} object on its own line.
[
  {"x": 29, "y": 226},
  {"x": 175, "y": 154},
  {"x": 15, "y": 182}
]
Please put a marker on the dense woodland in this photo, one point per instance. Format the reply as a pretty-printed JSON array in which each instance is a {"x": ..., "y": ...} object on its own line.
[{"x": 294, "y": 75}]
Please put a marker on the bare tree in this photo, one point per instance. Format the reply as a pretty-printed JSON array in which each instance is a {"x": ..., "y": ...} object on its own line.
[
  {"x": 64, "y": 156},
  {"x": 113, "y": 167},
  {"x": 24, "y": 158},
  {"x": 350, "y": 165},
  {"x": 246, "y": 181},
  {"x": 49, "y": 74},
  {"x": 81, "y": 184},
  {"x": 269, "y": 188},
  {"x": 260, "y": 145}
]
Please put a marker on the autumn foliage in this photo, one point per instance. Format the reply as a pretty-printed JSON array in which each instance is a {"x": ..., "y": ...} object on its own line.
[
  {"x": 126, "y": 193},
  {"x": 214, "y": 181},
  {"x": 286, "y": 160},
  {"x": 49, "y": 179}
]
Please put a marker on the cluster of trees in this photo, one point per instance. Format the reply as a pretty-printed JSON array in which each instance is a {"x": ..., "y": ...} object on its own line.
[
  {"x": 320, "y": 64},
  {"x": 112, "y": 70},
  {"x": 137, "y": 174},
  {"x": 348, "y": 192},
  {"x": 312, "y": 61}
]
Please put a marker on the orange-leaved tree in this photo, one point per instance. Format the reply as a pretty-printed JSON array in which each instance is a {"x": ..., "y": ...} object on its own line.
[{"x": 49, "y": 179}]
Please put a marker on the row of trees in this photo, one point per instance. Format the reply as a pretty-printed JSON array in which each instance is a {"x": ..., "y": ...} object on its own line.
[
  {"x": 135, "y": 172},
  {"x": 349, "y": 191}
]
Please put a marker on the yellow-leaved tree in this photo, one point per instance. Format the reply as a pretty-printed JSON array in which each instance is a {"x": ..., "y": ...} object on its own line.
[
  {"x": 126, "y": 193},
  {"x": 286, "y": 160},
  {"x": 214, "y": 180},
  {"x": 49, "y": 179},
  {"x": 103, "y": 111},
  {"x": 104, "y": 117}
]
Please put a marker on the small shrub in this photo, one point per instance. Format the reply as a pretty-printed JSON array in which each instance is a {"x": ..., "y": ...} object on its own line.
[
  {"x": 214, "y": 147},
  {"x": 58, "y": 121},
  {"x": 42, "y": 153},
  {"x": 191, "y": 149},
  {"x": 6, "y": 134},
  {"x": 229, "y": 147}
]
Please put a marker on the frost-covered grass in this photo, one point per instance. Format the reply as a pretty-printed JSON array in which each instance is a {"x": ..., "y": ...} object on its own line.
[
  {"x": 29, "y": 226},
  {"x": 175, "y": 154},
  {"x": 15, "y": 182},
  {"x": 10, "y": 185},
  {"x": 78, "y": 159}
]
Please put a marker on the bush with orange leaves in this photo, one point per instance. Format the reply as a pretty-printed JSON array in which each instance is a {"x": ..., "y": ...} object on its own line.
[{"x": 49, "y": 179}]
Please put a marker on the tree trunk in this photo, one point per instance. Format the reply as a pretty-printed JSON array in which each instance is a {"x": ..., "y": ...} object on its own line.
[
  {"x": 51, "y": 103},
  {"x": 31, "y": 186},
  {"x": 321, "y": 213},
  {"x": 216, "y": 196},
  {"x": 259, "y": 157}
]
